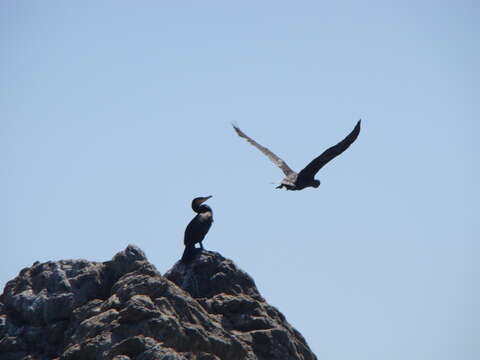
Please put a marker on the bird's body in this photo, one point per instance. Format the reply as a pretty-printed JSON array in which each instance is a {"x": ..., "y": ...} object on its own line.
[
  {"x": 197, "y": 228},
  {"x": 306, "y": 177}
]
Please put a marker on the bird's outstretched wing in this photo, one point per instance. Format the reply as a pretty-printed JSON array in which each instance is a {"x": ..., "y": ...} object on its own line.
[
  {"x": 316, "y": 164},
  {"x": 276, "y": 160}
]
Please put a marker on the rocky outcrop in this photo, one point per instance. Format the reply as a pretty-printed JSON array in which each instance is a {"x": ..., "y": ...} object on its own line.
[{"x": 124, "y": 309}]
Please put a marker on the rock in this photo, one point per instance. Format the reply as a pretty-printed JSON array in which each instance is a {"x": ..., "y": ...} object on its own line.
[
  {"x": 211, "y": 274},
  {"x": 230, "y": 295},
  {"x": 124, "y": 309}
]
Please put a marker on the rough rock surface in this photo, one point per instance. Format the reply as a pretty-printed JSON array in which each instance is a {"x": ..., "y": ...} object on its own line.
[{"x": 124, "y": 309}]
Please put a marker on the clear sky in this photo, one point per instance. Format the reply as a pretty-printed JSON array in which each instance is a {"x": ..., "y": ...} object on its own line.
[{"x": 115, "y": 114}]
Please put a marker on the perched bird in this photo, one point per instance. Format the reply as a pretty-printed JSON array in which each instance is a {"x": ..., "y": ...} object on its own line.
[
  {"x": 305, "y": 178},
  {"x": 197, "y": 228}
]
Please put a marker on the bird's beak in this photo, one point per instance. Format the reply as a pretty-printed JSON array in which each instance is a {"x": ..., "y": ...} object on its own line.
[{"x": 205, "y": 198}]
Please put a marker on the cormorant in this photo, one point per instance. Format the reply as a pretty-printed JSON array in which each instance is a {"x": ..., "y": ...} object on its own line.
[
  {"x": 197, "y": 228},
  {"x": 305, "y": 178}
]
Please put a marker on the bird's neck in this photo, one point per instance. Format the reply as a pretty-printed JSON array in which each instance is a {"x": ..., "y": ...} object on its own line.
[{"x": 202, "y": 209}]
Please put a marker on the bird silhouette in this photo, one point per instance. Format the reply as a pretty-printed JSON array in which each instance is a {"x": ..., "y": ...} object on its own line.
[
  {"x": 306, "y": 177},
  {"x": 197, "y": 228}
]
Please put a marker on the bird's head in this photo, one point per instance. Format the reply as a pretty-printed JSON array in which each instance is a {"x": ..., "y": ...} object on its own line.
[
  {"x": 199, "y": 201},
  {"x": 316, "y": 183}
]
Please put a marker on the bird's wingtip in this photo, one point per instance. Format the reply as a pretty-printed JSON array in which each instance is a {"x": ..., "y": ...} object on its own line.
[
  {"x": 359, "y": 122},
  {"x": 237, "y": 130}
]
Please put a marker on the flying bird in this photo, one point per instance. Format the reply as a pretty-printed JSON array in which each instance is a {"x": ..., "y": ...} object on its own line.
[
  {"x": 305, "y": 178},
  {"x": 197, "y": 228}
]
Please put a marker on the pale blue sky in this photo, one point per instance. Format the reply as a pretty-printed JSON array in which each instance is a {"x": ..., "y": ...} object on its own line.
[{"x": 115, "y": 114}]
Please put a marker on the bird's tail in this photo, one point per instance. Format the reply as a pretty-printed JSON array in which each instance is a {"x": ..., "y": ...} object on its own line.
[
  {"x": 279, "y": 183},
  {"x": 188, "y": 254}
]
